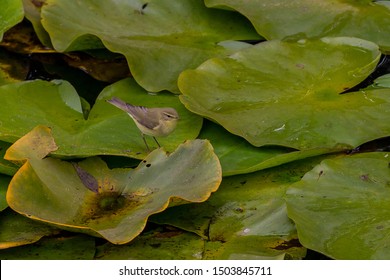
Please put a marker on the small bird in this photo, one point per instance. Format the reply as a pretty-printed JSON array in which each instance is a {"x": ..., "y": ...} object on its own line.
[{"x": 155, "y": 122}]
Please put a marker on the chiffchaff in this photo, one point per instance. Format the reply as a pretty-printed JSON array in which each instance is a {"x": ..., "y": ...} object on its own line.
[{"x": 155, "y": 122}]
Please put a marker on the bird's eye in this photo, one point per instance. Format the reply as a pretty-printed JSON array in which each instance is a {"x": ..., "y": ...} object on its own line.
[{"x": 169, "y": 116}]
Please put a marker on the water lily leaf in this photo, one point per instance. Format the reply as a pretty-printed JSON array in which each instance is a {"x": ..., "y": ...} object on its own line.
[
  {"x": 341, "y": 207},
  {"x": 156, "y": 245},
  {"x": 237, "y": 156},
  {"x": 246, "y": 209},
  {"x": 101, "y": 65},
  {"x": 51, "y": 190},
  {"x": 62, "y": 248},
  {"x": 4, "y": 182},
  {"x": 368, "y": 20},
  {"x": 11, "y": 13},
  {"x": 160, "y": 38},
  {"x": 107, "y": 129},
  {"x": 266, "y": 248},
  {"x": 17, "y": 230},
  {"x": 6, "y": 167},
  {"x": 383, "y": 81},
  {"x": 271, "y": 94},
  {"x": 23, "y": 40},
  {"x": 32, "y": 10}
]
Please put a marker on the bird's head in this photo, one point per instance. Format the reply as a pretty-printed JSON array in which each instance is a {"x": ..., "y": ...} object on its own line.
[{"x": 170, "y": 115}]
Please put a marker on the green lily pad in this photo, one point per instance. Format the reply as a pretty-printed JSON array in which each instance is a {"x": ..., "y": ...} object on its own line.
[
  {"x": 160, "y": 39},
  {"x": 6, "y": 167},
  {"x": 271, "y": 94},
  {"x": 254, "y": 248},
  {"x": 246, "y": 217},
  {"x": 237, "y": 156},
  {"x": 4, "y": 182},
  {"x": 111, "y": 203},
  {"x": 11, "y": 13},
  {"x": 32, "y": 10},
  {"x": 156, "y": 245},
  {"x": 278, "y": 19},
  {"x": 107, "y": 130},
  {"x": 61, "y": 248},
  {"x": 382, "y": 81},
  {"x": 341, "y": 207},
  {"x": 17, "y": 230}
]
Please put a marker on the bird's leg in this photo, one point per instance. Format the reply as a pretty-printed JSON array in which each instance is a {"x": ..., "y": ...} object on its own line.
[
  {"x": 146, "y": 144},
  {"x": 156, "y": 142}
]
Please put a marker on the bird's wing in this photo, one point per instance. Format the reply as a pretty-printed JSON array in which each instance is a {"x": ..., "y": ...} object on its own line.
[{"x": 144, "y": 116}]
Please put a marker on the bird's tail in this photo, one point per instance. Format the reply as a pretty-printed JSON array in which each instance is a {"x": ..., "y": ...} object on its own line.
[{"x": 119, "y": 103}]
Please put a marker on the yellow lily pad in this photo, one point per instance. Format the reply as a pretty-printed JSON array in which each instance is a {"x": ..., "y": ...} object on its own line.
[{"x": 54, "y": 191}]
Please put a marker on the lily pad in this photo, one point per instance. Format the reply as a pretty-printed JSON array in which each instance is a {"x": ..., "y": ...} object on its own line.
[
  {"x": 11, "y": 13},
  {"x": 246, "y": 217},
  {"x": 156, "y": 245},
  {"x": 53, "y": 191},
  {"x": 107, "y": 129},
  {"x": 383, "y": 81},
  {"x": 61, "y": 248},
  {"x": 6, "y": 167},
  {"x": 32, "y": 10},
  {"x": 267, "y": 248},
  {"x": 17, "y": 230},
  {"x": 271, "y": 94},
  {"x": 4, "y": 182},
  {"x": 278, "y": 19},
  {"x": 341, "y": 207},
  {"x": 159, "y": 38},
  {"x": 237, "y": 156}
]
